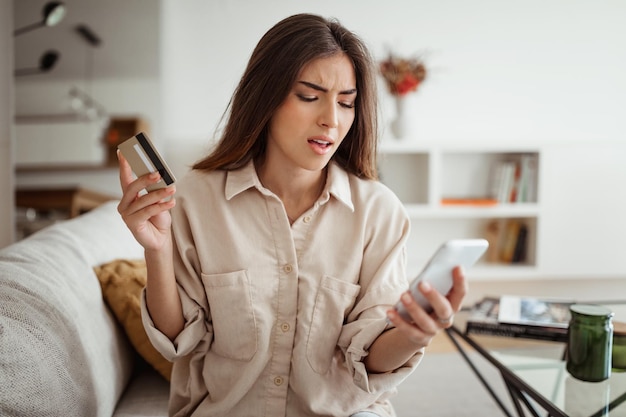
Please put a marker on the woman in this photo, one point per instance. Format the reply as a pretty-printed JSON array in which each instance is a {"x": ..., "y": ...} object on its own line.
[{"x": 271, "y": 284}]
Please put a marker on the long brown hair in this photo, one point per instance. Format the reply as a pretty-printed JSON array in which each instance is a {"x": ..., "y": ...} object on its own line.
[{"x": 271, "y": 72}]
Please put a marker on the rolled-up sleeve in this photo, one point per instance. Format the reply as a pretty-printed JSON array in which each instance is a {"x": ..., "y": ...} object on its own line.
[
  {"x": 191, "y": 291},
  {"x": 380, "y": 382},
  {"x": 186, "y": 341}
]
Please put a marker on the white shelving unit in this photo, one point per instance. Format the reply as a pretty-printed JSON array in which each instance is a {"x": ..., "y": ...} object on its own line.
[{"x": 422, "y": 176}]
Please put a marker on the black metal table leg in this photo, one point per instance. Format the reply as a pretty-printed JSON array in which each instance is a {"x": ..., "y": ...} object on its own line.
[
  {"x": 511, "y": 380},
  {"x": 478, "y": 374}
]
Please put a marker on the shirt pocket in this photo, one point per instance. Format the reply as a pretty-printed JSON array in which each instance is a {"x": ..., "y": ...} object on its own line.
[
  {"x": 235, "y": 334},
  {"x": 334, "y": 300}
]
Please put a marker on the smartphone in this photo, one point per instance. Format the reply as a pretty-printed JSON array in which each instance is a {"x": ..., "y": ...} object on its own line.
[
  {"x": 438, "y": 270},
  {"x": 144, "y": 158}
]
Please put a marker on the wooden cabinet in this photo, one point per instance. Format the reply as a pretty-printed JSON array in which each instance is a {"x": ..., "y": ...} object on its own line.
[
  {"x": 40, "y": 207},
  {"x": 71, "y": 200}
]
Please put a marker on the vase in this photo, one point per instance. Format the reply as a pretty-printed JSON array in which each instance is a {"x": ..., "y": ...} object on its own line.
[{"x": 403, "y": 125}]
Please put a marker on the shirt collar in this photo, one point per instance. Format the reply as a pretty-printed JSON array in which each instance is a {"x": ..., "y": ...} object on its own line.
[
  {"x": 239, "y": 180},
  {"x": 337, "y": 183}
]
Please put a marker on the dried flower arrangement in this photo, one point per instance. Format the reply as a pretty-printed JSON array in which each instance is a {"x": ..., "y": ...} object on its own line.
[{"x": 402, "y": 75}]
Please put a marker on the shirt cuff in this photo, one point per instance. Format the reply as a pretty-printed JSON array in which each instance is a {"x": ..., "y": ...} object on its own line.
[
  {"x": 356, "y": 353},
  {"x": 186, "y": 341}
]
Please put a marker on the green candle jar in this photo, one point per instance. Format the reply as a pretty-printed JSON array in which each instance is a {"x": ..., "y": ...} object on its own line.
[
  {"x": 590, "y": 342},
  {"x": 619, "y": 347}
]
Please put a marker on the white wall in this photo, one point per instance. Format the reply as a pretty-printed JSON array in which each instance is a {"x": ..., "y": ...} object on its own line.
[
  {"x": 505, "y": 71},
  {"x": 7, "y": 229},
  {"x": 498, "y": 71}
]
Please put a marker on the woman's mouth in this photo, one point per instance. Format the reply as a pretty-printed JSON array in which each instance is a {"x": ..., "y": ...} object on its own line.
[{"x": 320, "y": 146}]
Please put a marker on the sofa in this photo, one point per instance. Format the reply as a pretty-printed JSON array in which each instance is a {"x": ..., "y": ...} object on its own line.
[{"x": 71, "y": 340}]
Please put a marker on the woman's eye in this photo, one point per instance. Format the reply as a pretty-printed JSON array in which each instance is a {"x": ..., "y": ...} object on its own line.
[
  {"x": 308, "y": 99},
  {"x": 347, "y": 105}
]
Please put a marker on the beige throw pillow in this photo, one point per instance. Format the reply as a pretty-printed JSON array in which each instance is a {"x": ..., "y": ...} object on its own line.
[{"x": 122, "y": 281}]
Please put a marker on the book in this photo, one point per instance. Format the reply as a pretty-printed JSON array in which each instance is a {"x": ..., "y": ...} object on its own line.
[
  {"x": 503, "y": 181},
  {"x": 524, "y": 317},
  {"x": 514, "y": 180},
  {"x": 528, "y": 179},
  {"x": 510, "y": 240},
  {"x": 476, "y": 201},
  {"x": 519, "y": 254}
]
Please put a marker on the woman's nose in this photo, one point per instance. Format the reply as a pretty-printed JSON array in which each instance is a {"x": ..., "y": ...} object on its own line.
[{"x": 329, "y": 116}]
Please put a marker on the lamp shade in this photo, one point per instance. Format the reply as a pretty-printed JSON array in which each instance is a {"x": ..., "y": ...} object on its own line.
[
  {"x": 47, "y": 61},
  {"x": 53, "y": 12}
]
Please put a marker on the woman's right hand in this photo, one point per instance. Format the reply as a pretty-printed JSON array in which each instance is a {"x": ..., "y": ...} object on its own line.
[{"x": 146, "y": 215}]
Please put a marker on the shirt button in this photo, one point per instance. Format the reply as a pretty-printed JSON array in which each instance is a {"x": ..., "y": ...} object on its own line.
[
  {"x": 287, "y": 268},
  {"x": 278, "y": 380},
  {"x": 307, "y": 219},
  {"x": 285, "y": 327}
]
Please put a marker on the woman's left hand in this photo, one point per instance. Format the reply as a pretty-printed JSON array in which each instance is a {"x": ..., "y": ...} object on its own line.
[{"x": 424, "y": 326}]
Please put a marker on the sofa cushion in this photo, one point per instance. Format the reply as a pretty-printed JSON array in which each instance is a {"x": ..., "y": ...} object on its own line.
[
  {"x": 61, "y": 350},
  {"x": 122, "y": 281},
  {"x": 147, "y": 395}
]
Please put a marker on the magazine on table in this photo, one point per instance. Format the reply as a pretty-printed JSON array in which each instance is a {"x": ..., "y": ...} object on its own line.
[{"x": 515, "y": 316}]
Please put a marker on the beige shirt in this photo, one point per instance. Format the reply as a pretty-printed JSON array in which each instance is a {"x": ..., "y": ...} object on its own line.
[{"x": 279, "y": 317}]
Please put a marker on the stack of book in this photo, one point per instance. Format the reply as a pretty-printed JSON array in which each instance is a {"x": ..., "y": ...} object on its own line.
[
  {"x": 515, "y": 181},
  {"x": 508, "y": 241},
  {"x": 526, "y": 317}
]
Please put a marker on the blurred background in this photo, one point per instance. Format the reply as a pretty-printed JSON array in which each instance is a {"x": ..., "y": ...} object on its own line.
[
  {"x": 501, "y": 71},
  {"x": 542, "y": 74}
]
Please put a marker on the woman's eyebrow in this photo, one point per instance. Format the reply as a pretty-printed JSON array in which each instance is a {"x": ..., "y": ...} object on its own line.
[{"x": 325, "y": 90}]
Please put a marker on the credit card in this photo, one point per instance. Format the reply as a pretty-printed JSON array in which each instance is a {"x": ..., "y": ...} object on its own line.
[{"x": 144, "y": 158}]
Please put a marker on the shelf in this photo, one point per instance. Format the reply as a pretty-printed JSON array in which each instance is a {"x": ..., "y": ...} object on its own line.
[
  {"x": 484, "y": 272},
  {"x": 64, "y": 168},
  {"x": 499, "y": 211},
  {"x": 492, "y": 272},
  {"x": 575, "y": 188},
  {"x": 480, "y": 202}
]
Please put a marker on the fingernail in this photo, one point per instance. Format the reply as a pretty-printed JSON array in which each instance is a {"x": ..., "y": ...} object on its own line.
[
  {"x": 406, "y": 297},
  {"x": 425, "y": 286}
]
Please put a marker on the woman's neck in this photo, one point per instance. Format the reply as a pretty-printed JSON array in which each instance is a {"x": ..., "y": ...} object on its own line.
[{"x": 298, "y": 189}]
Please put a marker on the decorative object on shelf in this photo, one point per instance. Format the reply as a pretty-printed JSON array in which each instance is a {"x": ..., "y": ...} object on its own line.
[
  {"x": 402, "y": 76},
  {"x": 86, "y": 107},
  {"x": 120, "y": 129},
  {"x": 403, "y": 125}
]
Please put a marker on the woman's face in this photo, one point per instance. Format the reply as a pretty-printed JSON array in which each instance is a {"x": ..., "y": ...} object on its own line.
[{"x": 308, "y": 127}]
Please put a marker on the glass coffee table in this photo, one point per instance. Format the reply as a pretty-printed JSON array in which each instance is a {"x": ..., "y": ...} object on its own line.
[{"x": 534, "y": 375}]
